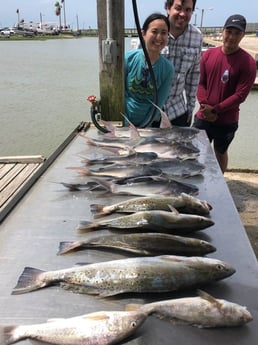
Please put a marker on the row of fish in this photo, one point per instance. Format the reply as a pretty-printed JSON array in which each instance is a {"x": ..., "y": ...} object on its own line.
[
  {"x": 163, "y": 209},
  {"x": 111, "y": 327}
]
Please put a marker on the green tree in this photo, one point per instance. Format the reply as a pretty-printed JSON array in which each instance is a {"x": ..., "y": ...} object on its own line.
[{"x": 58, "y": 13}]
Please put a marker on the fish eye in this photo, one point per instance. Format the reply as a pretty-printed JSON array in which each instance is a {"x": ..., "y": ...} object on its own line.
[
  {"x": 133, "y": 324},
  {"x": 220, "y": 267}
]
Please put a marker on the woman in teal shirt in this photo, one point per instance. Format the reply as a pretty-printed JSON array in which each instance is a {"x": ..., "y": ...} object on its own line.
[{"x": 139, "y": 88}]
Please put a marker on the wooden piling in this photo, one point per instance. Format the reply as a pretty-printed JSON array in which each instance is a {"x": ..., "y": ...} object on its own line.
[{"x": 111, "y": 76}]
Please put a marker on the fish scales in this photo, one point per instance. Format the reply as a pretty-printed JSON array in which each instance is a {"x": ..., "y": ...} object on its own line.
[
  {"x": 184, "y": 203},
  {"x": 135, "y": 275},
  {"x": 156, "y": 220},
  {"x": 102, "y": 328},
  {"x": 204, "y": 311},
  {"x": 148, "y": 186},
  {"x": 142, "y": 244}
]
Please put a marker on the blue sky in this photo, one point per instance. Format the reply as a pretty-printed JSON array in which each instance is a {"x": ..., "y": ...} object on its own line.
[{"x": 87, "y": 13}]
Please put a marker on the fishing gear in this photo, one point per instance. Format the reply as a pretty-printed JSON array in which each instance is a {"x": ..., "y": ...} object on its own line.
[
  {"x": 94, "y": 112},
  {"x": 147, "y": 58}
]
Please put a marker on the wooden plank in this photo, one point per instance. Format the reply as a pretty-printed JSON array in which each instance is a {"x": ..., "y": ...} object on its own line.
[
  {"x": 5, "y": 168},
  {"x": 21, "y": 174},
  {"x": 22, "y": 159},
  {"x": 12, "y": 171}
]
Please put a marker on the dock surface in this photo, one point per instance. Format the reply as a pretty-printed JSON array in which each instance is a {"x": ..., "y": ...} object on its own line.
[{"x": 49, "y": 214}]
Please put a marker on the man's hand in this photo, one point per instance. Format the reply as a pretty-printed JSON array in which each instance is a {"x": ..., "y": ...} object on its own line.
[{"x": 208, "y": 113}]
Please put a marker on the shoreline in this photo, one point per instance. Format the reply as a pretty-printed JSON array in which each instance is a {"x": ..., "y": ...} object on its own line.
[{"x": 243, "y": 186}]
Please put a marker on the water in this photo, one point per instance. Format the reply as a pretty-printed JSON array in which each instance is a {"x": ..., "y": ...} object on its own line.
[{"x": 43, "y": 90}]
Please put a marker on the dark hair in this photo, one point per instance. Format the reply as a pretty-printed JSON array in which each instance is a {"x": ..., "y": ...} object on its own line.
[
  {"x": 170, "y": 3},
  {"x": 152, "y": 17}
]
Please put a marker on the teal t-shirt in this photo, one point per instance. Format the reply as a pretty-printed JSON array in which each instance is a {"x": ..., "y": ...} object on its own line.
[{"x": 139, "y": 89}]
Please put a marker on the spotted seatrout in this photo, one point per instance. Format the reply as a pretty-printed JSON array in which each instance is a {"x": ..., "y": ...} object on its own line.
[
  {"x": 143, "y": 274},
  {"x": 142, "y": 244},
  {"x": 155, "y": 220},
  {"x": 102, "y": 328}
]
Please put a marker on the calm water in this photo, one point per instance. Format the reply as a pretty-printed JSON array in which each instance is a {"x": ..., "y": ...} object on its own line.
[{"x": 43, "y": 90}]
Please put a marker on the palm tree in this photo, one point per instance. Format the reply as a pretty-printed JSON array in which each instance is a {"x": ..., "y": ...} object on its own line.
[
  {"x": 63, "y": 2},
  {"x": 58, "y": 13}
]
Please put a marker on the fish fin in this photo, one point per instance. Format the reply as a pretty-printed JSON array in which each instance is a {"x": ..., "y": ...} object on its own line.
[
  {"x": 209, "y": 298},
  {"x": 172, "y": 258},
  {"x": 97, "y": 209},
  {"x": 65, "y": 247},
  {"x": 89, "y": 141},
  {"x": 110, "y": 127},
  {"x": 97, "y": 316},
  {"x": 133, "y": 307},
  {"x": 71, "y": 186},
  {"x": 81, "y": 170},
  {"x": 86, "y": 226},
  {"x": 29, "y": 280},
  {"x": 173, "y": 209},
  {"x": 165, "y": 122},
  {"x": 7, "y": 335},
  {"x": 103, "y": 183}
]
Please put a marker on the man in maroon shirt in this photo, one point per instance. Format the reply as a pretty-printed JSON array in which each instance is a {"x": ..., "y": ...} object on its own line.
[{"x": 227, "y": 76}]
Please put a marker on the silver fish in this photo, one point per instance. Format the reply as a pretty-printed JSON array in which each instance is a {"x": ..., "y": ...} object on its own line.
[
  {"x": 166, "y": 150},
  {"x": 155, "y": 220},
  {"x": 119, "y": 171},
  {"x": 184, "y": 203},
  {"x": 172, "y": 133},
  {"x": 178, "y": 167},
  {"x": 142, "y": 244},
  {"x": 102, "y": 328},
  {"x": 139, "y": 275},
  {"x": 133, "y": 158},
  {"x": 148, "y": 186},
  {"x": 204, "y": 311}
]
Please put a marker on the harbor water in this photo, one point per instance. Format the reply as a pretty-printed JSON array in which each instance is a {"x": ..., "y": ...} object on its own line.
[{"x": 43, "y": 90}]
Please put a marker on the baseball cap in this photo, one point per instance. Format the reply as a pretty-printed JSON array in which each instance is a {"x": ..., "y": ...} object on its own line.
[{"x": 236, "y": 21}]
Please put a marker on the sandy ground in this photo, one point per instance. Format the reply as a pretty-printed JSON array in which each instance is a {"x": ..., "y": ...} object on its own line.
[{"x": 244, "y": 190}]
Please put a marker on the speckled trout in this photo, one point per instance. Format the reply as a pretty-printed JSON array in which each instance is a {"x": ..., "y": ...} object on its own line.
[
  {"x": 155, "y": 220},
  {"x": 204, "y": 311},
  {"x": 102, "y": 328},
  {"x": 133, "y": 275},
  {"x": 141, "y": 244}
]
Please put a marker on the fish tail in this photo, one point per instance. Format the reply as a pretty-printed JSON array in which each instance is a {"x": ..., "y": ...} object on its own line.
[
  {"x": 7, "y": 335},
  {"x": 86, "y": 225},
  {"x": 133, "y": 307},
  {"x": 104, "y": 183},
  {"x": 98, "y": 209},
  {"x": 89, "y": 141},
  {"x": 66, "y": 247},
  {"x": 31, "y": 279},
  {"x": 83, "y": 171}
]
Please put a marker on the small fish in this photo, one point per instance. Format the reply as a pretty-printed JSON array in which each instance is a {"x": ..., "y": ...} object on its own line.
[
  {"x": 183, "y": 203},
  {"x": 155, "y": 220},
  {"x": 156, "y": 274},
  {"x": 103, "y": 328},
  {"x": 119, "y": 171},
  {"x": 204, "y": 311},
  {"x": 150, "y": 244},
  {"x": 148, "y": 186}
]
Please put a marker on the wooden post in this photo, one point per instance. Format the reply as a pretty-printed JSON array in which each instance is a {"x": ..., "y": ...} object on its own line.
[{"x": 111, "y": 75}]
